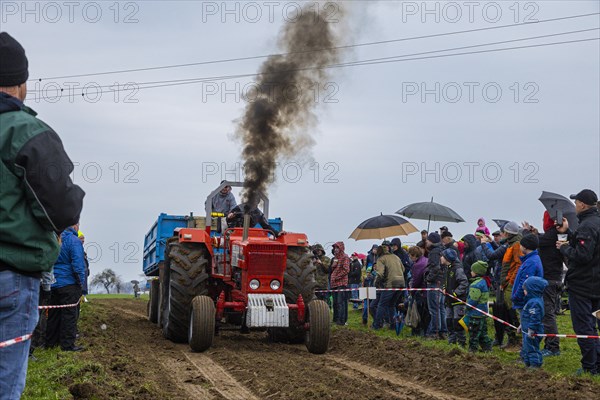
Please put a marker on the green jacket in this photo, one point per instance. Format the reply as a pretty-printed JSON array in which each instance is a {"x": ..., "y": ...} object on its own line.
[
  {"x": 390, "y": 272},
  {"x": 323, "y": 273},
  {"x": 38, "y": 199}
]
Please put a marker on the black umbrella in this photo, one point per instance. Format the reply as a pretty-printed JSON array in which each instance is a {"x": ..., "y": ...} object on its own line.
[
  {"x": 558, "y": 206},
  {"x": 500, "y": 222},
  {"x": 431, "y": 212},
  {"x": 383, "y": 226}
]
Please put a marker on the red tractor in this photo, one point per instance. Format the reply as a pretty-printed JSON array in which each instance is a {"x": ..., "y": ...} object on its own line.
[{"x": 213, "y": 278}]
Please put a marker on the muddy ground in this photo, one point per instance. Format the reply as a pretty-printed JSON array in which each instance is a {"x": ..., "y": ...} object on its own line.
[{"x": 140, "y": 364}]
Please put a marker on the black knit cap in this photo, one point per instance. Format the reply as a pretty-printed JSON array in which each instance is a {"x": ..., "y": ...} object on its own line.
[
  {"x": 530, "y": 242},
  {"x": 13, "y": 62}
]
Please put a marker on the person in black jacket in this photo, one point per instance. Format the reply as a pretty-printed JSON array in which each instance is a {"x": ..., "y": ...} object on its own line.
[
  {"x": 354, "y": 278},
  {"x": 470, "y": 257},
  {"x": 456, "y": 284},
  {"x": 582, "y": 252},
  {"x": 434, "y": 276},
  {"x": 552, "y": 262}
]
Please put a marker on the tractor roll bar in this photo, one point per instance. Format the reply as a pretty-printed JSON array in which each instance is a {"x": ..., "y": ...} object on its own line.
[{"x": 208, "y": 203}]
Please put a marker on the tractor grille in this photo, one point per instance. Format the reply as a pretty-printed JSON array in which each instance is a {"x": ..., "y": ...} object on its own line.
[{"x": 266, "y": 259}]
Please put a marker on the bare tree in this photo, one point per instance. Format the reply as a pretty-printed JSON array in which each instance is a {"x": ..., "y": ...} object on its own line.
[{"x": 107, "y": 278}]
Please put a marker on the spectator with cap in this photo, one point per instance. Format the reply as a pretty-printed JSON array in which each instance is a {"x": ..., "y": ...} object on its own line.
[
  {"x": 511, "y": 261},
  {"x": 390, "y": 275},
  {"x": 497, "y": 235},
  {"x": 456, "y": 284},
  {"x": 582, "y": 251},
  {"x": 423, "y": 242},
  {"x": 35, "y": 207},
  {"x": 434, "y": 278},
  {"x": 531, "y": 265}
]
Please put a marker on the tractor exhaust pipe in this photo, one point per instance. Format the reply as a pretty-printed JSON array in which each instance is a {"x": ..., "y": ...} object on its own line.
[{"x": 246, "y": 227}]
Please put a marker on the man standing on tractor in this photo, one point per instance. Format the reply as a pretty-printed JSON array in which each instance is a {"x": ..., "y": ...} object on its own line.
[
  {"x": 322, "y": 263},
  {"x": 224, "y": 202}
]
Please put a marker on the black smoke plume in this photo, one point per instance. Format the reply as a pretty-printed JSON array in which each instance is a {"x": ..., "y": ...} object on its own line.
[{"x": 277, "y": 123}]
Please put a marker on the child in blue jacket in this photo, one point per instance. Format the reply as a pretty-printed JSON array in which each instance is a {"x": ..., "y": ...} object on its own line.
[
  {"x": 531, "y": 321},
  {"x": 531, "y": 265}
]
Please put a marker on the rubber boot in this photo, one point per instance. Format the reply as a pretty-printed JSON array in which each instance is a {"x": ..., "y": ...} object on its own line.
[{"x": 461, "y": 337}]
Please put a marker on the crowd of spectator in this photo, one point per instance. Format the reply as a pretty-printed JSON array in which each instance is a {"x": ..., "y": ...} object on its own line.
[{"x": 521, "y": 271}]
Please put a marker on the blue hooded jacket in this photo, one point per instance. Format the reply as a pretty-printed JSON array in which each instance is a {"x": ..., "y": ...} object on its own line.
[
  {"x": 531, "y": 265},
  {"x": 69, "y": 269},
  {"x": 533, "y": 312}
]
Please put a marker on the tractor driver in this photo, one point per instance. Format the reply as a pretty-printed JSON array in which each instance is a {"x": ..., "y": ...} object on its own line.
[
  {"x": 224, "y": 201},
  {"x": 235, "y": 219}
]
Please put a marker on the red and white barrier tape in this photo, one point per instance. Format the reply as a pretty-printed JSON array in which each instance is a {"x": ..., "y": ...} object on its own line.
[
  {"x": 481, "y": 311},
  {"x": 391, "y": 289},
  {"x": 27, "y": 337},
  {"x": 14, "y": 341},
  {"x": 60, "y": 306},
  {"x": 567, "y": 336}
]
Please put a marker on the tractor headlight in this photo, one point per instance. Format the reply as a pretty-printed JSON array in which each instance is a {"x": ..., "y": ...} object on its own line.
[
  {"x": 275, "y": 284},
  {"x": 254, "y": 284}
]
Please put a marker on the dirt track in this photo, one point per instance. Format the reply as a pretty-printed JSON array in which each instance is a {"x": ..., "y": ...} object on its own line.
[{"x": 358, "y": 366}]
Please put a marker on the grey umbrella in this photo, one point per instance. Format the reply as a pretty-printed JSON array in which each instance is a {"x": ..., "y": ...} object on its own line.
[
  {"x": 500, "y": 222},
  {"x": 430, "y": 211},
  {"x": 558, "y": 206}
]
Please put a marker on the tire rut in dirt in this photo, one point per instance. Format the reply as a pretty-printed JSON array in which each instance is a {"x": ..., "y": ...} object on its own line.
[
  {"x": 187, "y": 278},
  {"x": 298, "y": 278},
  {"x": 288, "y": 372},
  {"x": 456, "y": 372}
]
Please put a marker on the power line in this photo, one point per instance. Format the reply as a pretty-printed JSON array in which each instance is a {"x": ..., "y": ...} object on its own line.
[
  {"x": 316, "y": 50},
  {"x": 200, "y": 80},
  {"x": 143, "y": 85}
]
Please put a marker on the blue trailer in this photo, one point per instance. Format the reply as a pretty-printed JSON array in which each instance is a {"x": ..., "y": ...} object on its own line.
[{"x": 156, "y": 238}]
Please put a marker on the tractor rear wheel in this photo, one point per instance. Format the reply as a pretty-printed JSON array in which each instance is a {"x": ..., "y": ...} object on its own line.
[
  {"x": 202, "y": 323},
  {"x": 153, "y": 301},
  {"x": 317, "y": 336},
  {"x": 298, "y": 279},
  {"x": 186, "y": 277}
]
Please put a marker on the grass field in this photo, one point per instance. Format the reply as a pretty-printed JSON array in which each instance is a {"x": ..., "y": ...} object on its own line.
[{"x": 564, "y": 365}]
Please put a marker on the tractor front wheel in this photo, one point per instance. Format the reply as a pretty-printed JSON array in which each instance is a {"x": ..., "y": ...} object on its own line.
[
  {"x": 202, "y": 323},
  {"x": 317, "y": 336}
]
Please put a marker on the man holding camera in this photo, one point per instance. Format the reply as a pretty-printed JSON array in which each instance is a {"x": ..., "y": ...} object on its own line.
[{"x": 582, "y": 251}]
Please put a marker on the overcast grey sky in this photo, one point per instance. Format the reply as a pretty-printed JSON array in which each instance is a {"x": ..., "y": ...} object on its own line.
[{"x": 530, "y": 115}]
